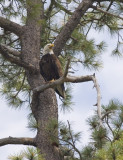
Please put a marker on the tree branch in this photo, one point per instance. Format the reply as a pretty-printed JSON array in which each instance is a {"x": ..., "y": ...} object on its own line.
[
  {"x": 9, "y": 53},
  {"x": 11, "y": 50},
  {"x": 13, "y": 140},
  {"x": 62, "y": 8},
  {"x": 11, "y": 26},
  {"x": 69, "y": 27},
  {"x": 72, "y": 142},
  {"x": 49, "y": 10},
  {"x": 73, "y": 79},
  {"x": 61, "y": 80},
  {"x": 111, "y": 14},
  {"x": 96, "y": 85}
]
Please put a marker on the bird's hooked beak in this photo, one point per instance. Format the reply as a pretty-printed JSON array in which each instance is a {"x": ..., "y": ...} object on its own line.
[{"x": 51, "y": 46}]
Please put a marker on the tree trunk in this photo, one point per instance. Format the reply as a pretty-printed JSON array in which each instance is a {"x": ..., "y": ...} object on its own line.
[{"x": 44, "y": 105}]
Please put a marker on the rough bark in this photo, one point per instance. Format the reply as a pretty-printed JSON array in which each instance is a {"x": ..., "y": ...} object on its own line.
[
  {"x": 12, "y": 56},
  {"x": 44, "y": 105},
  {"x": 71, "y": 25}
]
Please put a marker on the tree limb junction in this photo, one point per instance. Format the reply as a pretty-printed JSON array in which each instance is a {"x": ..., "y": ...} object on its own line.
[
  {"x": 74, "y": 79},
  {"x": 69, "y": 27},
  {"x": 71, "y": 79},
  {"x": 9, "y": 53},
  {"x": 11, "y": 26}
]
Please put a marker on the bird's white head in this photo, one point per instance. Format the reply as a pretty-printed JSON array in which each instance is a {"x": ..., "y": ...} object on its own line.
[{"x": 48, "y": 49}]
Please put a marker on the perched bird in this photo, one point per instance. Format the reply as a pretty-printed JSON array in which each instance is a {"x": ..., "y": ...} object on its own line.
[{"x": 50, "y": 68}]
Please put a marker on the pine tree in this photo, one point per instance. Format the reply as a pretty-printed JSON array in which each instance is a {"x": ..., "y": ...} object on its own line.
[
  {"x": 106, "y": 142},
  {"x": 66, "y": 23}
]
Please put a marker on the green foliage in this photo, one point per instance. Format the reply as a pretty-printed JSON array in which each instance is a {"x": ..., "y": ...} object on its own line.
[
  {"x": 32, "y": 123},
  {"x": 99, "y": 137},
  {"x": 105, "y": 141},
  {"x": 79, "y": 46},
  {"x": 88, "y": 152},
  {"x": 111, "y": 151},
  {"x": 52, "y": 131},
  {"x": 14, "y": 84},
  {"x": 67, "y": 102},
  {"x": 68, "y": 140},
  {"x": 30, "y": 153},
  {"x": 67, "y": 135},
  {"x": 16, "y": 157},
  {"x": 15, "y": 87},
  {"x": 13, "y": 8},
  {"x": 93, "y": 122},
  {"x": 112, "y": 106},
  {"x": 88, "y": 50}
]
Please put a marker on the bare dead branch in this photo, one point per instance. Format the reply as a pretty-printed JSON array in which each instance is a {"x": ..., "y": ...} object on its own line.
[
  {"x": 72, "y": 23},
  {"x": 11, "y": 26},
  {"x": 96, "y": 85},
  {"x": 9, "y": 53},
  {"x": 108, "y": 13},
  {"x": 79, "y": 79},
  {"x": 74, "y": 79},
  {"x": 71, "y": 79},
  {"x": 13, "y": 140}
]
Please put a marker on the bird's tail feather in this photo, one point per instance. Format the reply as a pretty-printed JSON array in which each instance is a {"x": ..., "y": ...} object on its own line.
[{"x": 60, "y": 90}]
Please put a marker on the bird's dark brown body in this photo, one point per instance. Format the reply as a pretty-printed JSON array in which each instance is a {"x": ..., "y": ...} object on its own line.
[{"x": 50, "y": 69}]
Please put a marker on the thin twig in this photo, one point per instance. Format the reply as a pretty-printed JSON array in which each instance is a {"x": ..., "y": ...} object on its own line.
[
  {"x": 108, "y": 13},
  {"x": 8, "y": 54},
  {"x": 107, "y": 122},
  {"x": 67, "y": 67},
  {"x": 20, "y": 86}
]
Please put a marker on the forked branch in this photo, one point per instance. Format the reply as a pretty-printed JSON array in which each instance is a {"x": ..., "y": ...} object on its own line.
[
  {"x": 69, "y": 27},
  {"x": 11, "y": 26},
  {"x": 9, "y": 54},
  {"x": 74, "y": 79},
  {"x": 71, "y": 79}
]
